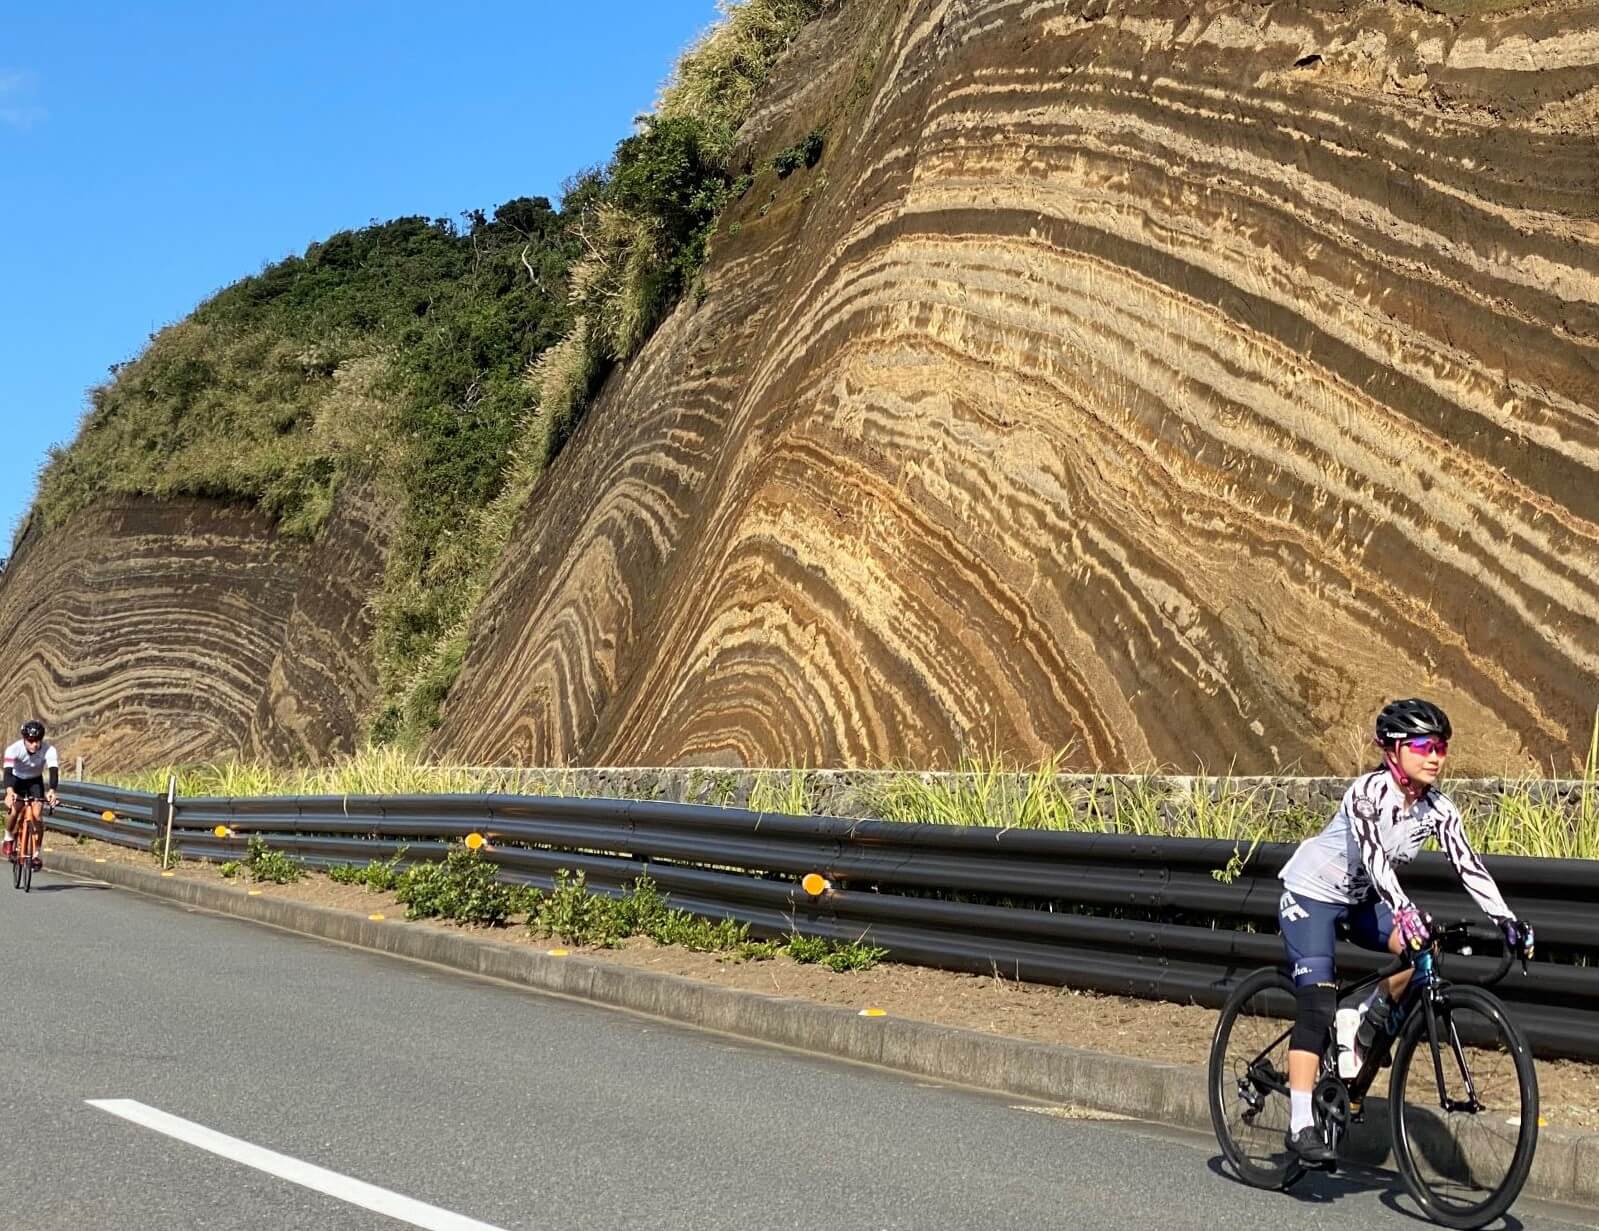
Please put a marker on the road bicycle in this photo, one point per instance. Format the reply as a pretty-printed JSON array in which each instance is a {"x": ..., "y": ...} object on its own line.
[
  {"x": 30, "y": 834},
  {"x": 1460, "y": 1085}
]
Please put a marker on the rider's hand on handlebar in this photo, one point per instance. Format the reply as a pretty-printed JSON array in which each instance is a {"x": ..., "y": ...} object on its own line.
[
  {"x": 51, "y": 798},
  {"x": 1412, "y": 925},
  {"x": 1519, "y": 937}
]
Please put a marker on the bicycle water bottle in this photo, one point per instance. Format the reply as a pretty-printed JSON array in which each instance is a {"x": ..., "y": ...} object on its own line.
[
  {"x": 1346, "y": 1024},
  {"x": 1373, "y": 1021}
]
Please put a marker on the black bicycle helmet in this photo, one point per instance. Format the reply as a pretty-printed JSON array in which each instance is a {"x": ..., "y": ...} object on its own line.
[
  {"x": 33, "y": 729},
  {"x": 1409, "y": 719}
]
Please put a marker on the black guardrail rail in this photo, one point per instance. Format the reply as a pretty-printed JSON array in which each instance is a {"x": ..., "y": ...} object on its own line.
[{"x": 1134, "y": 915}]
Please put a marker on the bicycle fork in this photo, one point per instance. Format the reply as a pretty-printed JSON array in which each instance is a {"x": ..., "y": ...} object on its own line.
[{"x": 1470, "y": 1103}]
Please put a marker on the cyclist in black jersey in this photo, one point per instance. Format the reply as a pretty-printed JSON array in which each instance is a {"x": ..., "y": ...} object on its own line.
[{"x": 1347, "y": 873}]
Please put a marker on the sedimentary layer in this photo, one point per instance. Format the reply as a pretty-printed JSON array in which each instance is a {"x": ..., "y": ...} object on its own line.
[
  {"x": 1164, "y": 382},
  {"x": 146, "y": 632}
]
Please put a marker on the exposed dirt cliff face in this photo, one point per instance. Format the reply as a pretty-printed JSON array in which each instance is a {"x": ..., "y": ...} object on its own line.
[
  {"x": 1174, "y": 381},
  {"x": 146, "y": 632}
]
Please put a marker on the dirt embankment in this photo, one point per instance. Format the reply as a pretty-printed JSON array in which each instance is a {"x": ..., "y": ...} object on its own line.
[
  {"x": 187, "y": 630},
  {"x": 1172, "y": 381}
]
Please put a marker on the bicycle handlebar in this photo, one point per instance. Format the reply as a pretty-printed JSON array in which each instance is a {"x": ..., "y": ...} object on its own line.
[{"x": 1460, "y": 930}]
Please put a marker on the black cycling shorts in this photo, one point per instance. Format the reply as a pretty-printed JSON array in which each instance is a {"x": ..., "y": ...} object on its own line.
[
  {"x": 1310, "y": 930},
  {"x": 29, "y": 788}
]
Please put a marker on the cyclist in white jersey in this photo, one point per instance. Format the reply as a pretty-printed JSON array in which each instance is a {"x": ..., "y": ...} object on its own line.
[
  {"x": 1347, "y": 874},
  {"x": 27, "y": 762}
]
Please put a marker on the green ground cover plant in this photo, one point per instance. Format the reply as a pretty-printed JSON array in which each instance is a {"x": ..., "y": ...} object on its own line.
[
  {"x": 465, "y": 887},
  {"x": 379, "y": 875},
  {"x": 571, "y": 912},
  {"x": 166, "y": 851},
  {"x": 265, "y": 864}
]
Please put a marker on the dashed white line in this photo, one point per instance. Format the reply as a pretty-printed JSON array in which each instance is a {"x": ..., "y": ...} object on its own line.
[{"x": 356, "y": 1192}]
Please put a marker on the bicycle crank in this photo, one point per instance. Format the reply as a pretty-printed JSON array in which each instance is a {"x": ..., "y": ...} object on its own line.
[{"x": 1330, "y": 1105}]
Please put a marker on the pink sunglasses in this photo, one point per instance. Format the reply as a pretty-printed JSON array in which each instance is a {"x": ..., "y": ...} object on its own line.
[{"x": 1426, "y": 745}]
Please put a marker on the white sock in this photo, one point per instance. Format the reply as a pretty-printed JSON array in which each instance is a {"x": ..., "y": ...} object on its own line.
[{"x": 1299, "y": 1110}]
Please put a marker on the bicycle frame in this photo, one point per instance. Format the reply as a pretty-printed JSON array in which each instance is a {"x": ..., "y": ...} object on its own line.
[
  {"x": 1425, "y": 988},
  {"x": 30, "y": 826}
]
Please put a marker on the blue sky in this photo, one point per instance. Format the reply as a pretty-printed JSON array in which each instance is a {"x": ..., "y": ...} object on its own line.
[{"x": 151, "y": 154}]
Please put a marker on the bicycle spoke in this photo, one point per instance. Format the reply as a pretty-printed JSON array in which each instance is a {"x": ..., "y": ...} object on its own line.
[
  {"x": 1250, "y": 1098},
  {"x": 1274, "y": 1046}
]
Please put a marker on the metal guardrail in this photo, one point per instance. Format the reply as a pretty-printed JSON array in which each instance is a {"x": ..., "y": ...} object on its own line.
[{"x": 1125, "y": 914}]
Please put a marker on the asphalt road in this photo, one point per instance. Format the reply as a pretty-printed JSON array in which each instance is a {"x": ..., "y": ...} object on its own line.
[{"x": 520, "y": 1110}]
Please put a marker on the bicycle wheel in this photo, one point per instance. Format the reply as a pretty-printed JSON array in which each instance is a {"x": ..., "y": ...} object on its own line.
[
  {"x": 1248, "y": 1080},
  {"x": 16, "y": 870},
  {"x": 27, "y": 843},
  {"x": 1464, "y": 1153}
]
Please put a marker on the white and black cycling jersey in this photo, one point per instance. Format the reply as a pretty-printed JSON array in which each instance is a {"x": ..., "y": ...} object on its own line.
[
  {"x": 1374, "y": 831},
  {"x": 24, "y": 764}
]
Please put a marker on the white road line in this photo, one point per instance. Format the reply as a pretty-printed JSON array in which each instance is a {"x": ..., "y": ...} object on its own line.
[{"x": 356, "y": 1192}]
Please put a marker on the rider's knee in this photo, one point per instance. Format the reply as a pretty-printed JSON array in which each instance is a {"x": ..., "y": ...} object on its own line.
[{"x": 1313, "y": 1019}]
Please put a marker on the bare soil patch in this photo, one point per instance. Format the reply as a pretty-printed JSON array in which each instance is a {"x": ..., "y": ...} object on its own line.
[{"x": 1148, "y": 1030}]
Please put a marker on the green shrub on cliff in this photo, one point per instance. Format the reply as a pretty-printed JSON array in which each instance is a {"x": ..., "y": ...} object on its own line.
[
  {"x": 394, "y": 354},
  {"x": 646, "y": 217},
  {"x": 717, "y": 80}
]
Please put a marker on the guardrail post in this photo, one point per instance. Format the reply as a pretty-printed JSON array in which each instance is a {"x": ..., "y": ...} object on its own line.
[{"x": 172, "y": 806}]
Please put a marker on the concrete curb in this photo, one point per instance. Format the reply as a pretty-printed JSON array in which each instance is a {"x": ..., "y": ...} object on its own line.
[{"x": 1566, "y": 1168}]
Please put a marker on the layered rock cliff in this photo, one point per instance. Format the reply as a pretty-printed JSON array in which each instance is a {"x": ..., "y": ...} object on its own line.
[
  {"x": 1170, "y": 381},
  {"x": 1165, "y": 381},
  {"x": 150, "y": 632}
]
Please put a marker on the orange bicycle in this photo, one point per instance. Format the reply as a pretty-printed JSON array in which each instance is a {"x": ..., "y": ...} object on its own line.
[{"x": 25, "y": 850}]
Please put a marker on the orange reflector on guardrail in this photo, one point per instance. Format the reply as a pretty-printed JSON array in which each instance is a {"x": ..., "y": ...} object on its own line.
[
  {"x": 222, "y": 831},
  {"x": 474, "y": 841},
  {"x": 108, "y": 816},
  {"x": 815, "y": 884}
]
